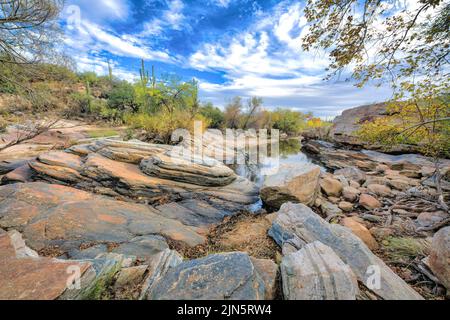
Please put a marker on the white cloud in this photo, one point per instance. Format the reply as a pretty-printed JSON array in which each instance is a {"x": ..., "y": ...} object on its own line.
[
  {"x": 172, "y": 18},
  {"x": 101, "y": 10}
]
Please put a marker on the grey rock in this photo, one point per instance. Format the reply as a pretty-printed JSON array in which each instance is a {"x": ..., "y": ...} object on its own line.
[
  {"x": 228, "y": 276},
  {"x": 352, "y": 173},
  {"x": 439, "y": 260},
  {"x": 316, "y": 273},
  {"x": 299, "y": 221}
]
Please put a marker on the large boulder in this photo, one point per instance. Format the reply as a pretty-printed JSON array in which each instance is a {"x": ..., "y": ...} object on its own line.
[
  {"x": 331, "y": 187},
  {"x": 297, "y": 224},
  {"x": 345, "y": 126},
  {"x": 316, "y": 273},
  {"x": 439, "y": 260},
  {"x": 228, "y": 276},
  {"x": 292, "y": 182},
  {"x": 63, "y": 217}
]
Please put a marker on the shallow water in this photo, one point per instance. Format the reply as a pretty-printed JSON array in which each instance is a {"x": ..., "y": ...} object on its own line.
[{"x": 289, "y": 151}]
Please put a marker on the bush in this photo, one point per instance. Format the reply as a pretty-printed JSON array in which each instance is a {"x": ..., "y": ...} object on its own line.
[
  {"x": 214, "y": 114},
  {"x": 162, "y": 124},
  {"x": 122, "y": 97}
]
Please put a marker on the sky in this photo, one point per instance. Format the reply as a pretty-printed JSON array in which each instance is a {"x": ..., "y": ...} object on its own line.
[{"x": 232, "y": 47}]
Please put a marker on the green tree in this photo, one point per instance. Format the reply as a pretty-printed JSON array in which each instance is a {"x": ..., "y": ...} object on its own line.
[{"x": 215, "y": 115}]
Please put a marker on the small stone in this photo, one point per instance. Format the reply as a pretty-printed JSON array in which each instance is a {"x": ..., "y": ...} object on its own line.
[
  {"x": 361, "y": 231},
  {"x": 426, "y": 219},
  {"x": 352, "y": 173},
  {"x": 330, "y": 209},
  {"x": 345, "y": 206},
  {"x": 379, "y": 190},
  {"x": 334, "y": 200},
  {"x": 398, "y": 184},
  {"x": 350, "y": 194},
  {"x": 331, "y": 186},
  {"x": 381, "y": 168},
  {"x": 369, "y": 202},
  {"x": 381, "y": 233},
  {"x": 354, "y": 184}
]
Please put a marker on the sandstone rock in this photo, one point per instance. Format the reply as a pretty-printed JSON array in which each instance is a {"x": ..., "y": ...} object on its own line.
[
  {"x": 20, "y": 174},
  {"x": 300, "y": 223},
  {"x": 411, "y": 174},
  {"x": 439, "y": 260},
  {"x": 380, "y": 190},
  {"x": 25, "y": 276},
  {"x": 350, "y": 194},
  {"x": 297, "y": 183},
  {"x": 381, "y": 168},
  {"x": 71, "y": 217},
  {"x": 345, "y": 125},
  {"x": 334, "y": 200},
  {"x": 398, "y": 184},
  {"x": 426, "y": 219},
  {"x": 316, "y": 273},
  {"x": 268, "y": 270},
  {"x": 345, "y": 206},
  {"x": 374, "y": 180},
  {"x": 352, "y": 173},
  {"x": 228, "y": 276},
  {"x": 10, "y": 165},
  {"x": 369, "y": 202},
  {"x": 331, "y": 187},
  {"x": 204, "y": 172},
  {"x": 354, "y": 184},
  {"x": 361, "y": 231}
]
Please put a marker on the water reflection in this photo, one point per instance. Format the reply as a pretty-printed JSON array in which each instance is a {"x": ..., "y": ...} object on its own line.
[{"x": 290, "y": 152}]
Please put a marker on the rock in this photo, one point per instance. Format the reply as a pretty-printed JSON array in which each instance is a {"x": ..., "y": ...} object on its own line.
[
  {"x": 227, "y": 276},
  {"x": 20, "y": 174},
  {"x": 331, "y": 187},
  {"x": 354, "y": 184},
  {"x": 26, "y": 276},
  {"x": 411, "y": 174},
  {"x": 361, "y": 232},
  {"x": 297, "y": 223},
  {"x": 203, "y": 172},
  {"x": 380, "y": 190},
  {"x": 345, "y": 206},
  {"x": 400, "y": 165},
  {"x": 427, "y": 219},
  {"x": 268, "y": 270},
  {"x": 316, "y": 273},
  {"x": 159, "y": 265},
  {"x": 352, "y": 173},
  {"x": 130, "y": 276},
  {"x": 350, "y": 194},
  {"x": 381, "y": 168},
  {"x": 369, "y": 202},
  {"x": 144, "y": 247},
  {"x": 374, "y": 180},
  {"x": 292, "y": 182},
  {"x": 50, "y": 215},
  {"x": 398, "y": 184},
  {"x": 10, "y": 165},
  {"x": 96, "y": 167},
  {"x": 330, "y": 209},
  {"x": 334, "y": 200},
  {"x": 439, "y": 260}
]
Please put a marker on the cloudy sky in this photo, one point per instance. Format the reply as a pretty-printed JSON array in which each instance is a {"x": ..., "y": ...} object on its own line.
[{"x": 233, "y": 47}]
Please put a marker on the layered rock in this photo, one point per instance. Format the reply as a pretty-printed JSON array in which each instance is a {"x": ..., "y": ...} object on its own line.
[
  {"x": 316, "y": 273},
  {"x": 53, "y": 215},
  {"x": 228, "y": 276},
  {"x": 292, "y": 182},
  {"x": 297, "y": 225},
  {"x": 96, "y": 167}
]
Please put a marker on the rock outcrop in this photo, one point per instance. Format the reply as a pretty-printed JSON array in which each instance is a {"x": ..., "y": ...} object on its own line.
[
  {"x": 292, "y": 182},
  {"x": 316, "y": 273},
  {"x": 53, "y": 215},
  {"x": 439, "y": 259},
  {"x": 297, "y": 225}
]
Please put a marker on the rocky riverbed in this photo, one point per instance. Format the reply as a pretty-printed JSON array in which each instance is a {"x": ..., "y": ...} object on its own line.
[{"x": 136, "y": 222}]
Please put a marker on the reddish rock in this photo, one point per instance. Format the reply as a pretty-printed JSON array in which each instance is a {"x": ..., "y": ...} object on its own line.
[
  {"x": 331, "y": 186},
  {"x": 380, "y": 190},
  {"x": 439, "y": 260},
  {"x": 345, "y": 206},
  {"x": 369, "y": 202},
  {"x": 361, "y": 231},
  {"x": 350, "y": 194}
]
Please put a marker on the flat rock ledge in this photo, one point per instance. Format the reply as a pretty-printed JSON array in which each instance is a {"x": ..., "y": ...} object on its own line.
[{"x": 145, "y": 173}]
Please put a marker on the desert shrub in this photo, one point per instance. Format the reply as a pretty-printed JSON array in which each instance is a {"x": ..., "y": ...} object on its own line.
[
  {"x": 162, "y": 124},
  {"x": 122, "y": 97}
]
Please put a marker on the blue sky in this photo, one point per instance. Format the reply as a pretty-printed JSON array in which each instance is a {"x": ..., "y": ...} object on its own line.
[{"x": 233, "y": 47}]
